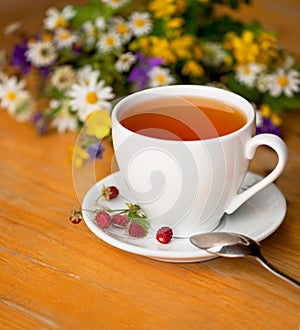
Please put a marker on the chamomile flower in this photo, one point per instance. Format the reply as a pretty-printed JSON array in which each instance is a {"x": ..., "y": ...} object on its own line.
[
  {"x": 88, "y": 98},
  {"x": 140, "y": 23},
  {"x": 63, "y": 77},
  {"x": 213, "y": 54},
  {"x": 63, "y": 38},
  {"x": 121, "y": 27},
  {"x": 86, "y": 73},
  {"x": 286, "y": 82},
  {"x": 115, "y": 3},
  {"x": 90, "y": 32},
  {"x": 58, "y": 19},
  {"x": 247, "y": 74},
  {"x": 100, "y": 23},
  {"x": 23, "y": 108},
  {"x": 64, "y": 121},
  {"x": 160, "y": 77},
  {"x": 11, "y": 90},
  {"x": 125, "y": 62},
  {"x": 109, "y": 41},
  {"x": 41, "y": 53},
  {"x": 262, "y": 82}
]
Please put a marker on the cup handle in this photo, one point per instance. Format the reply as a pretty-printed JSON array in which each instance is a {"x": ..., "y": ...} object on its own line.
[{"x": 280, "y": 148}]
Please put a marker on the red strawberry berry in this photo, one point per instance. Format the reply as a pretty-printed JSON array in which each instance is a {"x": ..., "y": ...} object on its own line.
[
  {"x": 110, "y": 192},
  {"x": 136, "y": 230},
  {"x": 119, "y": 220},
  {"x": 103, "y": 219},
  {"x": 164, "y": 235}
]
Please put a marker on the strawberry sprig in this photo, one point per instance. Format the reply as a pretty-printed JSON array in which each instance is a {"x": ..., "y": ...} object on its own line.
[{"x": 131, "y": 218}]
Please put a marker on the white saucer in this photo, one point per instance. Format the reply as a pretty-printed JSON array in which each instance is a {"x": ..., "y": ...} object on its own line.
[{"x": 258, "y": 218}]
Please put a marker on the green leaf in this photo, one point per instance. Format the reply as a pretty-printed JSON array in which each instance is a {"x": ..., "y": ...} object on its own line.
[
  {"x": 282, "y": 102},
  {"x": 54, "y": 112}
]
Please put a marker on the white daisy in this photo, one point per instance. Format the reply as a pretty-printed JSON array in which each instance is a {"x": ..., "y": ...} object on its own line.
[
  {"x": 115, "y": 3},
  {"x": 160, "y": 77},
  {"x": 23, "y": 109},
  {"x": 213, "y": 54},
  {"x": 90, "y": 32},
  {"x": 140, "y": 23},
  {"x": 86, "y": 73},
  {"x": 125, "y": 62},
  {"x": 100, "y": 23},
  {"x": 63, "y": 38},
  {"x": 63, "y": 77},
  {"x": 41, "y": 53},
  {"x": 247, "y": 74},
  {"x": 55, "y": 18},
  {"x": 262, "y": 82},
  {"x": 109, "y": 41},
  {"x": 86, "y": 99},
  {"x": 11, "y": 90},
  {"x": 63, "y": 121},
  {"x": 121, "y": 27},
  {"x": 287, "y": 82}
]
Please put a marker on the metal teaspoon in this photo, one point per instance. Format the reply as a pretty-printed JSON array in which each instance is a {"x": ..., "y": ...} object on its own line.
[{"x": 236, "y": 245}]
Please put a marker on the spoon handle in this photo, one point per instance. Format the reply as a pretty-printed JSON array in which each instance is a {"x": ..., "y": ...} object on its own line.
[{"x": 276, "y": 271}]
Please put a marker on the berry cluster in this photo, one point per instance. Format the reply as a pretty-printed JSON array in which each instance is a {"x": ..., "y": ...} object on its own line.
[
  {"x": 131, "y": 219},
  {"x": 136, "y": 225}
]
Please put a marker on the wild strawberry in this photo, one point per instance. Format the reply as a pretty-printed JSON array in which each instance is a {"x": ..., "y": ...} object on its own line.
[
  {"x": 164, "y": 235},
  {"x": 110, "y": 192},
  {"x": 136, "y": 230},
  {"x": 103, "y": 219},
  {"x": 119, "y": 220},
  {"x": 75, "y": 215}
]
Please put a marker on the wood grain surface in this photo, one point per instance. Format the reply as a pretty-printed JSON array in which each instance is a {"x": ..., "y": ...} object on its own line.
[{"x": 55, "y": 275}]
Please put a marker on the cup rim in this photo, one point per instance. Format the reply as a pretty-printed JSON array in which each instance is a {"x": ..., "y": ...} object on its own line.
[{"x": 250, "y": 112}]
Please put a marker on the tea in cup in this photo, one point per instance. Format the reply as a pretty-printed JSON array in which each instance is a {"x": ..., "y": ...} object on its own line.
[{"x": 184, "y": 151}]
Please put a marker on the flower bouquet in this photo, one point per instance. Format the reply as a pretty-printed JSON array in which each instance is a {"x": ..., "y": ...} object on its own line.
[{"x": 84, "y": 57}]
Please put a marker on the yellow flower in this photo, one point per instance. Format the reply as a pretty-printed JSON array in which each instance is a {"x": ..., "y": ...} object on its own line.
[
  {"x": 162, "y": 8},
  {"x": 98, "y": 124},
  {"x": 160, "y": 47},
  {"x": 268, "y": 48},
  {"x": 183, "y": 46},
  {"x": 245, "y": 49},
  {"x": 175, "y": 23},
  {"x": 265, "y": 110},
  {"x": 277, "y": 121},
  {"x": 192, "y": 68}
]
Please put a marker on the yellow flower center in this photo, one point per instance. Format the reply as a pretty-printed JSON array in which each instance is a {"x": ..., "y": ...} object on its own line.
[
  {"x": 64, "y": 35},
  {"x": 247, "y": 71},
  {"x": 110, "y": 41},
  {"x": 161, "y": 79},
  {"x": 122, "y": 29},
  {"x": 282, "y": 81},
  {"x": 11, "y": 96},
  {"x": 139, "y": 22},
  {"x": 47, "y": 37},
  {"x": 60, "y": 22},
  {"x": 91, "y": 98}
]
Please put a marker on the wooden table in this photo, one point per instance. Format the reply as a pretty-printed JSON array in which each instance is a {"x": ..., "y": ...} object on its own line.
[{"x": 56, "y": 275}]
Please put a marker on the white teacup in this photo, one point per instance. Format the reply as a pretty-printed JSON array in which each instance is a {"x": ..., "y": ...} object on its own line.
[{"x": 189, "y": 185}]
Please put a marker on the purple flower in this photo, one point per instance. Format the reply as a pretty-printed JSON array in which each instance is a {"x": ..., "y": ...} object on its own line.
[
  {"x": 95, "y": 151},
  {"x": 267, "y": 126},
  {"x": 140, "y": 71},
  {"x": 19, "y": 58}
]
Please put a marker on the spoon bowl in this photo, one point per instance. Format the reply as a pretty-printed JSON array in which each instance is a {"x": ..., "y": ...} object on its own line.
[{"x": 234, "y": 245}]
